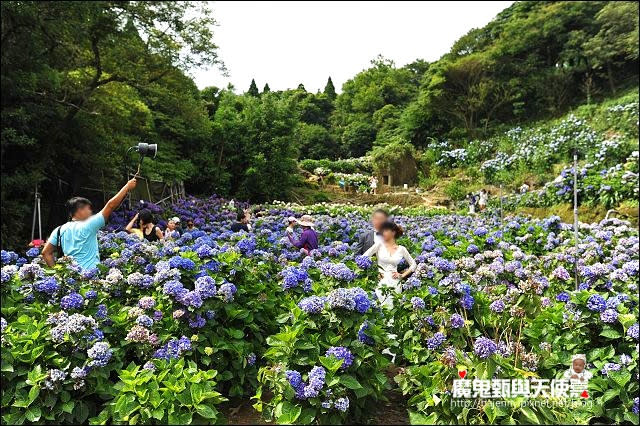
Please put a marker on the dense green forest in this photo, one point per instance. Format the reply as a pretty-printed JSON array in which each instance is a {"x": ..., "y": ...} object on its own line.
[{"x": 83, "y": 81}]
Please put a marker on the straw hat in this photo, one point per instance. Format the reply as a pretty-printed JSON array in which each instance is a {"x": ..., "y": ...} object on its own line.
[
  {"x": 175, "y": 219},
  {"x": 305, "y": 220}
]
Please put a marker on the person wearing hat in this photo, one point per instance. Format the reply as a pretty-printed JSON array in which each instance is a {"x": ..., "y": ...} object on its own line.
[
  {"x": 172, "y": 231},
  {"x": 308, "y": 239},
  {"x": 241, "y": 223},
  {"x": 577, "y": 371}
]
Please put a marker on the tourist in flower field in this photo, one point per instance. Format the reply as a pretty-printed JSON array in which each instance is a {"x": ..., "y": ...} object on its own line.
[
  {"x": 483, "y": 199},
  {"x": 150, "y": 230},
  {"x": 577, "y": 371},
  {"x": 308, "y": 238},
  {"x": 372, "y": 236},
  {"x": 373, "y": 183},
  {"x": 471, "y": 197},
  {"x": 78, "y": 238},
  {"x": 172, "y": 228},
  {"x": 242, "y": 222},
  {"x": 389, "y": 255}
]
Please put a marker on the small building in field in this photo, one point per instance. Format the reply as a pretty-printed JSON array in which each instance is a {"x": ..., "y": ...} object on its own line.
[{"x": 395, "y": 165}]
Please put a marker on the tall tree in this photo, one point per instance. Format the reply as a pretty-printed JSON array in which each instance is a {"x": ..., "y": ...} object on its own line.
[
  {"x": 330, "y": 90},
  {"x": 253, "y": 89},
  {"x": 75, "y": 79},
  {"x": 617, "y": 40},
  {"x": 266, "y": 88}
]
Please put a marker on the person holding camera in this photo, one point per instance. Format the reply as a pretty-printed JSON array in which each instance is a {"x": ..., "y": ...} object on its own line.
[
  {"x": 78, "y": 238},
  {"x": 150, "y": 231}
]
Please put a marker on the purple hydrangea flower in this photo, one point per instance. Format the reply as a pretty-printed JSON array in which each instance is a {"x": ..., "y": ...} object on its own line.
[
  {"x": 417, "y": 303},
  {"x": 146, "y": 302},
  {"x": 456, "y": 321},
  {"x": 497, "y": 306},
  {"x": 484, "y": 347},
  {"x": 609, "y": 316},
  {"x": 227, "y": 290},
  {"x": 633, "y": 331}
]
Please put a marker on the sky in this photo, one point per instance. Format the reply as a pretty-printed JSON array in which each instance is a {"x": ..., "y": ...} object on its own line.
[{"x": 287, "y": 43}]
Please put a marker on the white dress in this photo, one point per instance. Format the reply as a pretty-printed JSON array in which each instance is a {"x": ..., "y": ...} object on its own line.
[{"x": 387, "y": 265}]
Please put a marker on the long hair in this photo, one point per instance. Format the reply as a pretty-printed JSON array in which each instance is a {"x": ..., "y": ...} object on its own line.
[{"x": 394, "y": 227}]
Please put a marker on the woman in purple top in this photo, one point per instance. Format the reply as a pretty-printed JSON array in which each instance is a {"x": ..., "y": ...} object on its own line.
[{"x": 308, "y": 239}]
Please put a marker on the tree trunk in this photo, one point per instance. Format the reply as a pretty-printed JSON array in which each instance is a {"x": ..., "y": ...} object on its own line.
[{"x": 610, "y": 75}]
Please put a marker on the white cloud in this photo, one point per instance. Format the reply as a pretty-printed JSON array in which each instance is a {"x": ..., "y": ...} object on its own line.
[{"x": 287, "y": 43}]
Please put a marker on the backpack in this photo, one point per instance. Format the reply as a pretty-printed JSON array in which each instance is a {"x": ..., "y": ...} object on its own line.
[{"x": 59, "y": 250}]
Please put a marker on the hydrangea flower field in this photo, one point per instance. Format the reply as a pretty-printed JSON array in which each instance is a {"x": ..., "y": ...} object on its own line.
[{"x": 167, "y": 332}]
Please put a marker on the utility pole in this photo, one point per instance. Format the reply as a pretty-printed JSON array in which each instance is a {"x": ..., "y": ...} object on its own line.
[
  {"x": 36, "y": 212},
  {"x": 501, "y": 215}
]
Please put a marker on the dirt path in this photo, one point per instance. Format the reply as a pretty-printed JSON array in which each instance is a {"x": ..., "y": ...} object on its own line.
[{"x": 393, "y": 412}]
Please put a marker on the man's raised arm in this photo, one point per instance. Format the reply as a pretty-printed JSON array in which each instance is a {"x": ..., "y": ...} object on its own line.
[{"x": 117, "y": 199}]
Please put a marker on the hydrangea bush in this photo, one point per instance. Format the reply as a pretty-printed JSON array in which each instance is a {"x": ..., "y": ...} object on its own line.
[{"x": 165, "y": 332}]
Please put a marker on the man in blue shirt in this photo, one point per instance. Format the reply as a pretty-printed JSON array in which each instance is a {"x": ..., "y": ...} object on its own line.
[{"x": 79, "y": 237}]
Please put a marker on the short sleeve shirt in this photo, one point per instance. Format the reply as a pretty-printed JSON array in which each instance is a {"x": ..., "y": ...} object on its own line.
[{"x": 80, "y": 240}]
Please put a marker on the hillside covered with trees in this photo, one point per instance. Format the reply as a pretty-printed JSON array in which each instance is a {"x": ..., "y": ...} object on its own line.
[{"x": 82, "y": 84}]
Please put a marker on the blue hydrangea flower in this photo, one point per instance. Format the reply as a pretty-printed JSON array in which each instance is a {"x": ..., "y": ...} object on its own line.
[
  {"x": 340, "y": 352},
  {"x": 363, "y": 262},
  {"x": 436, "y": 341},
  {"x": 596, "y": 303},
  {"x": 342, "y": 404},
  {"x": 609, "y": 316},
  {"x": 72, "y": 301},
  {"x": 100, "y": 354}
]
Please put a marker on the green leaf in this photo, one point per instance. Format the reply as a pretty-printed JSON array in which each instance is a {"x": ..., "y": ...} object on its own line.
[
  {"x": 611, "y": 333},
  {"x": 350, "y": 382},
  {"x": 620, "y": 378},
  {"x": 158, "y": 413},
  {"x": 610, "y": 394},
  {"x": 33, "y": 414},
  {"x": 331, "y": 363},
  {"x": 530, "y": 415},
  {"x": 307, "y": 417},
  {"x": 206, "y": 411},
  {"x": 33, "y": 393},
  {"x": 67, "y": 407},
  {"x": 490, "y": 411},
  {"x": 81, "y": 412},
  {"x": 196, "y": 393},
  {"x": 416, "y": 418},
  {"x": 290, "y": 413}
]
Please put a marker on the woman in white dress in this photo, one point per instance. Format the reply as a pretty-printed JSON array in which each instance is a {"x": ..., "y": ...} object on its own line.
[{"x": 389, "y": 255}]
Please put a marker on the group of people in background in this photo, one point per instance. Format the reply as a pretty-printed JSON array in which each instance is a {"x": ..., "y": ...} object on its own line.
[
  {"x": 78, "y": 237},
  {"x": 478, "y": 201},
  {"x": 149, "y": 231}
]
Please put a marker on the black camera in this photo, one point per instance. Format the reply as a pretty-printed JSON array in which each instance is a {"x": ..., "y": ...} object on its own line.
[{"x": 147, "y": 150}]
